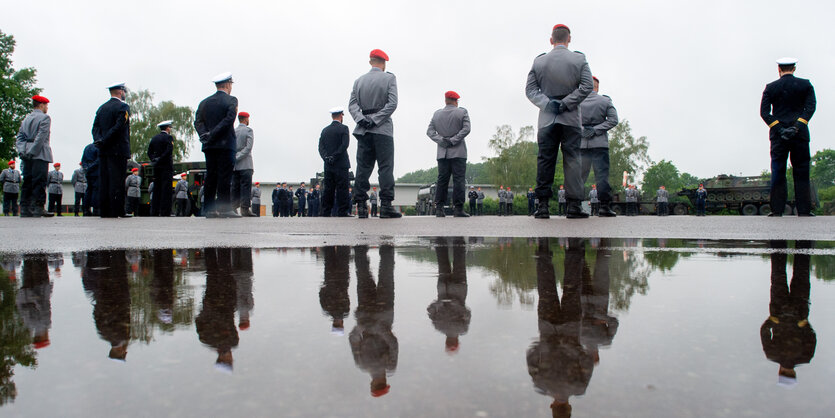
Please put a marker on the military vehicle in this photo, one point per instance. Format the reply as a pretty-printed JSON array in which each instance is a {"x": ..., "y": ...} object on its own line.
[
  {"x": 618, "y": 205},
  {"x": 195, "y": 172},
  {"x": 747, "y": 195},
  {"x": 425, "y": 205}
]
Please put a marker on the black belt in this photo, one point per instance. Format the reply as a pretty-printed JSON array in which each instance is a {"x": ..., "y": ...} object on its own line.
[
  {"x": 370, "y": 111},
  {"x": 558, "y": 97}
]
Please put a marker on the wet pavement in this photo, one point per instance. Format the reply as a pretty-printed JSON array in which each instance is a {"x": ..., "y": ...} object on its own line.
[{"x": 436, "y": 327}]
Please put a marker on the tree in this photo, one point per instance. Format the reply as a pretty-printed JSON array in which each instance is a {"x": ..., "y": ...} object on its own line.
[
  {"x": 145, "y": 115},
  {"x": 15, "y": 340},
  {"x": 823, "y": 169},
  {"x": 515, "y": 161},
  {"x": 476, "y": 174},
  {"x": 662, "y": 173},
  {"x": 626, "y": 153},
  {"x": 16, "y": 90}
]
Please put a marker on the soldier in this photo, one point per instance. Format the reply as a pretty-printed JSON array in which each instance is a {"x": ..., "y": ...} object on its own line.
[
  {"x": 33, "y": 299},
  {"x": 333, "y": 295},
  {"x": 214, "y": 122},
  {"x": 216, "y": 321},
  {"x": 90, "y": 164},
  {"x": 473, "y": 197},
  {"x": 661, "y": 197},
  {"x": 256, "y": 199},
  {"x": 315, "y": 199},
  {"x": 111, "y": 134},
  {"x": 631, "y": 201},
  {"x": 531, "y": 201},
  {"x": 55, "y": 189},
  {"x": 276, "y": 199},
  {"x": 449, "y": 312},
  {"x": 242, "y": 173},
  {"x": 594, "y": 201},
  {"x": 373, "y": 101},
  {"x": 787, "y": 106},
  {"x": 562, "y": 201},
  {"x": 32, "y": 143},
  {"x": 282, "y": 199},
  {"x": 502, "y": 202},
  {"x": 508, "y": 197},
  {"x": 480, "y": 202},
  {"x": 333, "y": 148},
  {"x": 79, "y": 185},
  {"x": 161, "y": 154},
  {"x": 372, "y": 197},
  {"x": 291, "y": 204},
  {"x": 133, "y": 185},
  {"x": 599, "y": 116},
  {"x": 449, "y": 128},
  {"x": 10, "y": 179},
  {"x": 701, "y": 200},
  {"x": 557, "y": 83},
  {"x": 181, "y": 194},
  {"x": 301, "y": 195}
]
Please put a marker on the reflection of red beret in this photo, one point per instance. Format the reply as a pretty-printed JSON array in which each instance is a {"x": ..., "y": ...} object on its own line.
[
  {"x": 380, "y": 392},
  {"x": 243, "y": 115},
  {"x": 42, "y": 344},
  {"x": 562, "y": 26},
  {"x": 40, "y": 99},
  {"x": 134, "y": 169},
  {"x": 378, "y": 53},
  {"x": 595, "y": 79},
  {"x": 452, "y": 95}
]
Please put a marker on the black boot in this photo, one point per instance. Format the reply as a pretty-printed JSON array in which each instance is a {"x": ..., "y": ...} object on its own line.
[
  {"x": 575, "y": 211},
  {"x": 247, "y": 213},
  {"x": 38, "y": 212},
  {"x": 542, "y": 211},
  {"x": 387, "y": 211},
  {"x": 439, "y": 211},
  {"x": 604, "y": 211},
  {"x": 459, "y": 212},
  {"x": 362, "y": 210},
  {"x": 26, "y": 212}
]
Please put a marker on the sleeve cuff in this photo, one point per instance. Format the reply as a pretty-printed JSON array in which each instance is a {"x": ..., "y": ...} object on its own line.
[
  {"x": 803, "y": 121},
  {"x": 771, "y": 125}
]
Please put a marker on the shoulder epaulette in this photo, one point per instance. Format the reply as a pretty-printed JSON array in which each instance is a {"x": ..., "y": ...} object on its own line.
[
  {"x": 580, "y": 53},
  {"x": 606, "y": 96},
  {"x": 541, "y": 54}
]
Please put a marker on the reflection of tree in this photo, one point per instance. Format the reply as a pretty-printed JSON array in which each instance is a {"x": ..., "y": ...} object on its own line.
[
  {"x": 664, "y": 260},
  {"x": 15, "y": 340},
  {"x": 161, "y": 299},
  {"x": 513, "y": 262},
  {"x": 628, "y": 271}
]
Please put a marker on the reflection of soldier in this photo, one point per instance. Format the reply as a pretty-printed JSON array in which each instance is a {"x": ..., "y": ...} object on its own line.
[
  {"x": 449, "y": 313},
  {"x": 598, "y": 327},
  {"x": 33, "y": 303},
  {"x": 216, "y": 321},
  {"x": 558, "y": 364},
  {"x": 333, "y": 296},
  {"x": 242, "y": 271},
  {"x": 10, "y": 263},
  {"x": 162, "y": 285},
  {"x": 373, "y": 344},
  {"x": 106, "y": 277},
  {"x": 787, "y": 337}
]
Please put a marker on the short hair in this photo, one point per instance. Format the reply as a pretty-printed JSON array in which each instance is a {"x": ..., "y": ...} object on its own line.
[
  {"x": 560, "y": 34},
  {"x": 241, "y": 118},
  {"x": 788, "y": 67},
  {"x": 375, "y": 60},
  {"x": 222, "y": 84},
  {"x": 35, "y": 103}
]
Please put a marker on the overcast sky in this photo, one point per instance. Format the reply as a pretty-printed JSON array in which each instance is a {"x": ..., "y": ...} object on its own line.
[{"x": 688, "y": 76}]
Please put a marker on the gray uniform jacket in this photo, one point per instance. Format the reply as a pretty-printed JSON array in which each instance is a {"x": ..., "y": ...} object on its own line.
[
  {"x": 562, "y": 75},
  {"x": 54, "y": 178},
  {"x": 151, "y": 190},
  {"x": 79, "y": 180},
  {"x": 661, "y": 196},
  {"x": 132, "y": 184},
  {"x": 256, "y": 196},
  {"x": 10, "y": 179},
  {"x": 448, "y": 128},
  {"x": 374, "y": 97},
  {"x": 631, "y": 195},
  {"x": 181, "y": 191},
  {"x": 561, "y": 195},
  {"x": 508, "y": 197},
  {"x": 593, "y": 196},
  {"x": 372, "y": 197},
  {"x": 243, "y": 152},
  {"x": 32, "y": 140},
  {"x": 501, "y": 194},
  {"x": 599, "y": 114},
  {"x": 480, "y": 197}
]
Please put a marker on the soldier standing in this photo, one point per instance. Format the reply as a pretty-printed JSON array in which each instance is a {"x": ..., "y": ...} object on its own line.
[
  {"x": 502, "y": 202},
  {"x": 599, "y": 116},
  {"x": 562, "y": 201},
  {"x": 449, "y": 128},
  {"x": 161, "y": 154},
  {"x": 276, "y": 199},
  {"x": 701, "y": 200},
  {"x": 291, "y": 204},
  {"x": 473, "y": 197},
  {"x": 787, "y": 106},
  {"x": 90, "y": 164},
  {"x": 32, "y": 143},
  {"x": 531, "y": 201},
  {"x": 480, "y": 202},
  {"x": 373, "y": 101},
  {"x": 372, "y": 197},
  {"x": 10, "y": 179},
  {"x": 508, "y": 197},
  {"x": 181, "y": 194},
  {"x": 79, "y": 185},
  {"x": 594, "y": 200},
  {"x": 214, "y": 122},
  {"x": 631, "y": 201},
  {"x": 133, "y": 185},
  {"x": 557, "y": 83},
  {"x": 315, "y": 199},
  {"x": 111, "y": 134},
  {"x": 55, "y": 190},
  {"x": 256, "y": 199},
  {"x": 301, "y": 194},
  {"x": 661, "y": 197},
  {"x": 242, "y": 173}
]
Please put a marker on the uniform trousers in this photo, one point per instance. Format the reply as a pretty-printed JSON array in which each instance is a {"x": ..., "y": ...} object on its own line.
[
  {"x": 561, "y": 208},
  {"x": 335, "y": 188},
  {"x": 472, "y": 206},
  {"x": 509, "y": 207},
  {"x": 33, "y": 188},
  {"x": 302, "y": 207},
  {"x": 480, "y": 208},
  {"x": 113, "y": 170},
  {"x": 595, "y": 208},
  {"x": 662, "y": 208},
  {"x": 256, "y": 209},
  {"x": 131, "y": 204},
  {"x": 90, "y": 206},
  {"x": 631, "y": 208},
  {"x": 373, "y": 148},
  {"x": 455, "y": 168},
  {"x": 161, "y": 199},
  {"x": 182, "y": 207},
  {"x": 502, "y": 208},
  {"x": 276, "y": 208},
  {"x": 10, "y": 204},
  {"x": 55, "y": 200},
  {"x": 218, "y": 183},
  {"x": 797, "y": 151},
  {"x": 599, "y": 159},
  {"x": 241, "y": 188},
  {"x": 374, "y": 208},
  {"x": 531, "y": 207},
  {"x": 550, "y": 139},
  {"x": 79, "y": 199},
  {"x": 700, "y": 207}
]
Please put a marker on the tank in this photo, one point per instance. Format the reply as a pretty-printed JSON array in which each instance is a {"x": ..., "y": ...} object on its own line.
[
  {"x": 747, "y": 195},
  {"x": 425, "y": 205}
]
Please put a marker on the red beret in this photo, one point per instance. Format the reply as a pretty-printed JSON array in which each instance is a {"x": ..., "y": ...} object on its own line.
[
  {"x": 11, "y": 162},
  {"x": 243, "y": 115},
  {"x": 42, "y": 344},
  {"x": 184, "y": 175},
  {"x": 257, "y": 183},
  {"x": 452, "y": 95},
  {"x": 378, "y": 53},
  {"x": 561, "y": 26},
  {"x": 56, "y": 165},
  {"x": 40, "y": 99},
  {"x": 134, "y": 169},
  {"x": 595, "y": 79}
]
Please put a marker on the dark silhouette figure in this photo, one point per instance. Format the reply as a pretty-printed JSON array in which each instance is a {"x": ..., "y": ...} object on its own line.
[
  {"x": 449, "y": 313},
  {"x": 787, "y": 336},
  {"x": 162, "y": 285},
  {"x": 106, "y": 277},
  {"x": 33, "y": 298},
  {"x": 598, "y": 328},
  {"x": 242, "y": 270},
  {"x": 558, "y": 363},
  {"x": 216, "y": 321},
  {"x": 373, "y": 344},
  {"x": 333, "y": 295}
]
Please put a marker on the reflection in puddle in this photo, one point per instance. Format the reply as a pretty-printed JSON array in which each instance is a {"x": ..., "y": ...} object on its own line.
[{"x": 700, "y": 304}]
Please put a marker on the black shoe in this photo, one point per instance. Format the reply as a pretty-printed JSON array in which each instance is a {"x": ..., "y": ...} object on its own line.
[
  {"x": 542, "y": 211},
  {"x": 459, "y": 213},
  {"x": 228, "y": 214},
  {"x": 439, "y": 212},
  {"x": 575, "y": 211},
  {"x": 212, "y": 215},
  {"x": 247, "y": 213},
  {"x": 806, "y": 215},
  {"x": 26, "y": 212},
  {"x": 39, "y": 212},
  {"x": 388, "y": 212},
  {"x": 775, "y": 215},
  {"x": 605, "y": 211},
  {"x": 362, "y": 210}
]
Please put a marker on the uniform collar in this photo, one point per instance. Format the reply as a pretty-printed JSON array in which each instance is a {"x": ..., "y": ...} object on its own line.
[
  {"x": 374, "y": 69},
  {"x": 449, "y": 105},
  {"x": 560, "y": 46}
]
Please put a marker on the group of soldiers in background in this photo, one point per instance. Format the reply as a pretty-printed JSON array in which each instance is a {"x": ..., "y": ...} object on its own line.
[
  {"x": 284, "y": 206},
  {"x": 476, "y": 197}
]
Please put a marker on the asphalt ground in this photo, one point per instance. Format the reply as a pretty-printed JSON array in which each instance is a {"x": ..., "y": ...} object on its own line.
[{"x": 62, "y": 234}]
